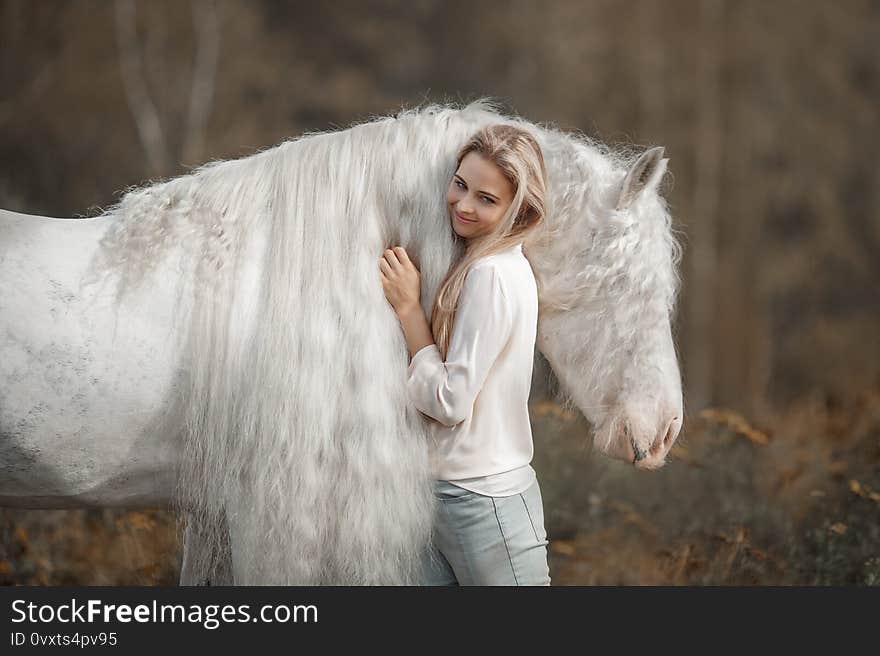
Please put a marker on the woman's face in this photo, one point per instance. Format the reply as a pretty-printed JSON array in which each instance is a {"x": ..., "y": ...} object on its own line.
[{"x": 478, "y": 196}]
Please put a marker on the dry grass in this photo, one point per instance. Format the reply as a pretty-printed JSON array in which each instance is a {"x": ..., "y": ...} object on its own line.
[
  {"x": 792, "y": 501},
  {"x": 88, "y": 547}
]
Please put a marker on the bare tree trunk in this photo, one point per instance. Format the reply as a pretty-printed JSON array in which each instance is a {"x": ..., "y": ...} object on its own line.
[
  {"x": 143, "y": 110},
  {"x": 703, "y": 275},
  {"x": 206, "y": 22},
  {"x": 651, "y": 68},
  {"x": 15, "y": 100},
  {"x": 12, "y": 18}
]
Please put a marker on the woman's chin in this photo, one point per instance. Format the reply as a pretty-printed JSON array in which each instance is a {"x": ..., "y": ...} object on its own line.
[{"x": 466, "y": 231}]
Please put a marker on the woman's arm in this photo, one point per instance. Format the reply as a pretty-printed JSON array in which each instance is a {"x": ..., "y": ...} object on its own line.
[
  {"x": 446, "y": 391},
  {"x": 416, "y": 328}
]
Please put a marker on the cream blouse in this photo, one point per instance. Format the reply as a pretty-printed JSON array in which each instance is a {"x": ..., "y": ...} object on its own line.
[{"x": 479, "y": 396}]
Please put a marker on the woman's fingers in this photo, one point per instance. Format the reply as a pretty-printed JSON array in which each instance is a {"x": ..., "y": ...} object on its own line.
[
  {"x": 395, "y": 261},
  {"x": 391, "y": 258},
  {"x": 398, "y": 256},
  {"x": 400, "y": 277},
  {"x": 401, "y": 254}
]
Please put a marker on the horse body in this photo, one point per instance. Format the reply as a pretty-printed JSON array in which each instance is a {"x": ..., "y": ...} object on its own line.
[
  {"x": 222, "y": 338},
  {"x": 86, "y": 382}
]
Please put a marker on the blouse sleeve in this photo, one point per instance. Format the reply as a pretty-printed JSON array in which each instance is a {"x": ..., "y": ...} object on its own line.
[{"x": 446, "y": 391}]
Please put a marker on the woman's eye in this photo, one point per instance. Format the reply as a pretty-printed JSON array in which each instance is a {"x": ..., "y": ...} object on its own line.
[
  {"x": 488, "y": 200},
  {"x": 459, "y": 184}
]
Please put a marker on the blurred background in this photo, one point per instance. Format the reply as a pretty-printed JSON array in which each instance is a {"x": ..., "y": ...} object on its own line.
[{"x": 769, "y": 114}]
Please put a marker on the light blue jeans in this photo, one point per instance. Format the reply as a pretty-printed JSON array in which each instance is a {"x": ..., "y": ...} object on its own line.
[{"x": 482, "y": 540}]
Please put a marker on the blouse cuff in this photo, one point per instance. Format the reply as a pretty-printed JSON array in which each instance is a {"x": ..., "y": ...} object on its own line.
[{"x": 421, "y": 354}]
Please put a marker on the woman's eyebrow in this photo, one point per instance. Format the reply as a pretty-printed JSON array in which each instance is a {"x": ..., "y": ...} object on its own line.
[{"x": 487, "y": 193}]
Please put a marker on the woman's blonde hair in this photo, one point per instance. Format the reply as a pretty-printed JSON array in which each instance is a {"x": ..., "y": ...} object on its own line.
[{"x": 518, "y": 156}]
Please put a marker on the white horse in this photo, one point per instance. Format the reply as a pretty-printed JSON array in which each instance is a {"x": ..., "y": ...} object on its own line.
[{"x": 221, "y": 341}]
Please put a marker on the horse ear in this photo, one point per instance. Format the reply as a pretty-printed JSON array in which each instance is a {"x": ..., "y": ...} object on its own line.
[{"x": 645, "y": 173}]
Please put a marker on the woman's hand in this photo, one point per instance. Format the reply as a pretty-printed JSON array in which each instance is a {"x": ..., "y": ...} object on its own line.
[{"x": 401, "y": 280}]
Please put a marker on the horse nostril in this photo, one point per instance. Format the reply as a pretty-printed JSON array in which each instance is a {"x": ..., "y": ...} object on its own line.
[
  {"x": 669, "y": 431},
  {"x": 638, "y": 454}
]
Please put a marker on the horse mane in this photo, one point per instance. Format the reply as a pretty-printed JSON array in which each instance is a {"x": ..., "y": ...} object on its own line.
[{"x": 297, "y": 430}]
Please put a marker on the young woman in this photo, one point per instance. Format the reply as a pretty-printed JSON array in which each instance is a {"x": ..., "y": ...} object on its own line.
[{"x": 475, "y": 380}]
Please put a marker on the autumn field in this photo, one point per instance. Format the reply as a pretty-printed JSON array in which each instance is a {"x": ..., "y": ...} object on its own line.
[
  {"x": 794, "y": 500},
  {"x": 768, "y": 114}
]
